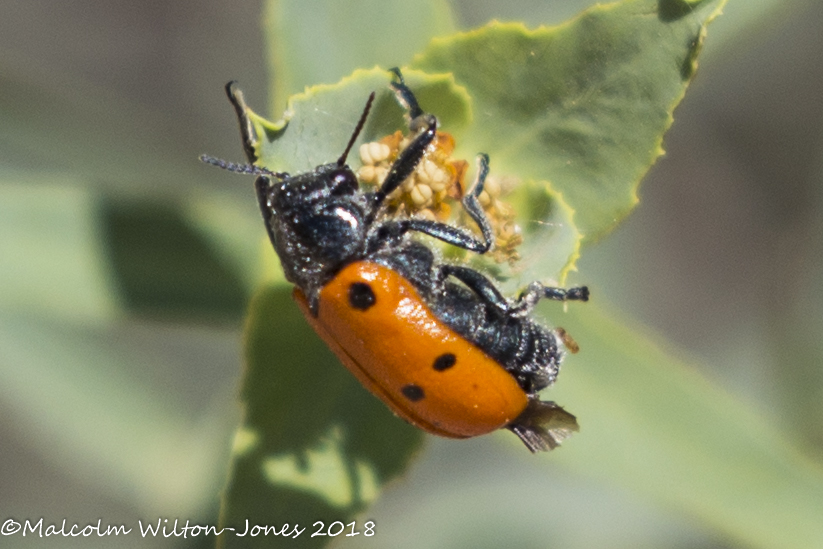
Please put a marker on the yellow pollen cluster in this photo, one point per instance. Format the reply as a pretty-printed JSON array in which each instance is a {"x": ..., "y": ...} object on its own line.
[
  {"x": 423, "y": 194},
  {"x": 507, "y": 234},
  {"x": 436, "y": 182}
]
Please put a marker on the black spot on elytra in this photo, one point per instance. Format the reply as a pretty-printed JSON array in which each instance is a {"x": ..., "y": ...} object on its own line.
[
  {"x": 444, "y": 362},
  {"x": 361, "y": 296},
  {"x": 413, "y": 392}
]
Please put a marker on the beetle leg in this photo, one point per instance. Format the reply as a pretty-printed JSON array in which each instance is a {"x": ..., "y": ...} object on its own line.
[
  {"x": 472, "y": 205},
  {"x": 447, "y": 233},
  {"x": 406, "y": 97},
  {"x": 537, "y": 291},
  {"x": 405, "y": 163},
  {"x": 411, "y": 155},
  {"x": 479, "y": 284}
]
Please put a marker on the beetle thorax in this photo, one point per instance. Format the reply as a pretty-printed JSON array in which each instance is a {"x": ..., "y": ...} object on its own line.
[{"x": 319, "y": 223}]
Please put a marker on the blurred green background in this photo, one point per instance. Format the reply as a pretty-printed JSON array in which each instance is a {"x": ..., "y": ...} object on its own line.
[{"x": 126, "y": 266}]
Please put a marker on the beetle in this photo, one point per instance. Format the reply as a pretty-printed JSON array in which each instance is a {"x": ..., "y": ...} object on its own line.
[{"x": 436, "y": 341}]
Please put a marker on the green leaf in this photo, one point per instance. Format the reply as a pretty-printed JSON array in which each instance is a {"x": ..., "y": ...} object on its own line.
[
  {"x": 576, "y": 112},
  {"x": 63, "y": 123},
  {"x": 89, "y": 403},
  {"x": 321, "y": 120},
  {"x": 580, "y": 108},
  {"x": 314, "y": 445},
  {"x": 320, "y": 42},
  {"x": 234, "y": 231},
  {"x": 551, "y": 240},
  {"x": 163, "y": 266},
  {"x": 53, "y": 257},
  {"x": 583, "y": 105},
  {"x": 651, "y": 423},
  {"x": 71, "y": 254}
]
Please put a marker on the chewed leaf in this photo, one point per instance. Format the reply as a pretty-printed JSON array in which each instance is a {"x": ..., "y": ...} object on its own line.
[
  {"x": 583, "y": 105},
  {"x": 320, "y": 121}
]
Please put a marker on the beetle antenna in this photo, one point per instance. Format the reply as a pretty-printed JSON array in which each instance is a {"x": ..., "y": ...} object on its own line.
[
  {"x": 247, "y": 169},
  {"x": 362, "y": 122}
]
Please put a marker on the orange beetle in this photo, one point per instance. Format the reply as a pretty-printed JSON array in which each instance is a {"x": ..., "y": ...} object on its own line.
[{"x": 437, "y": 342}]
